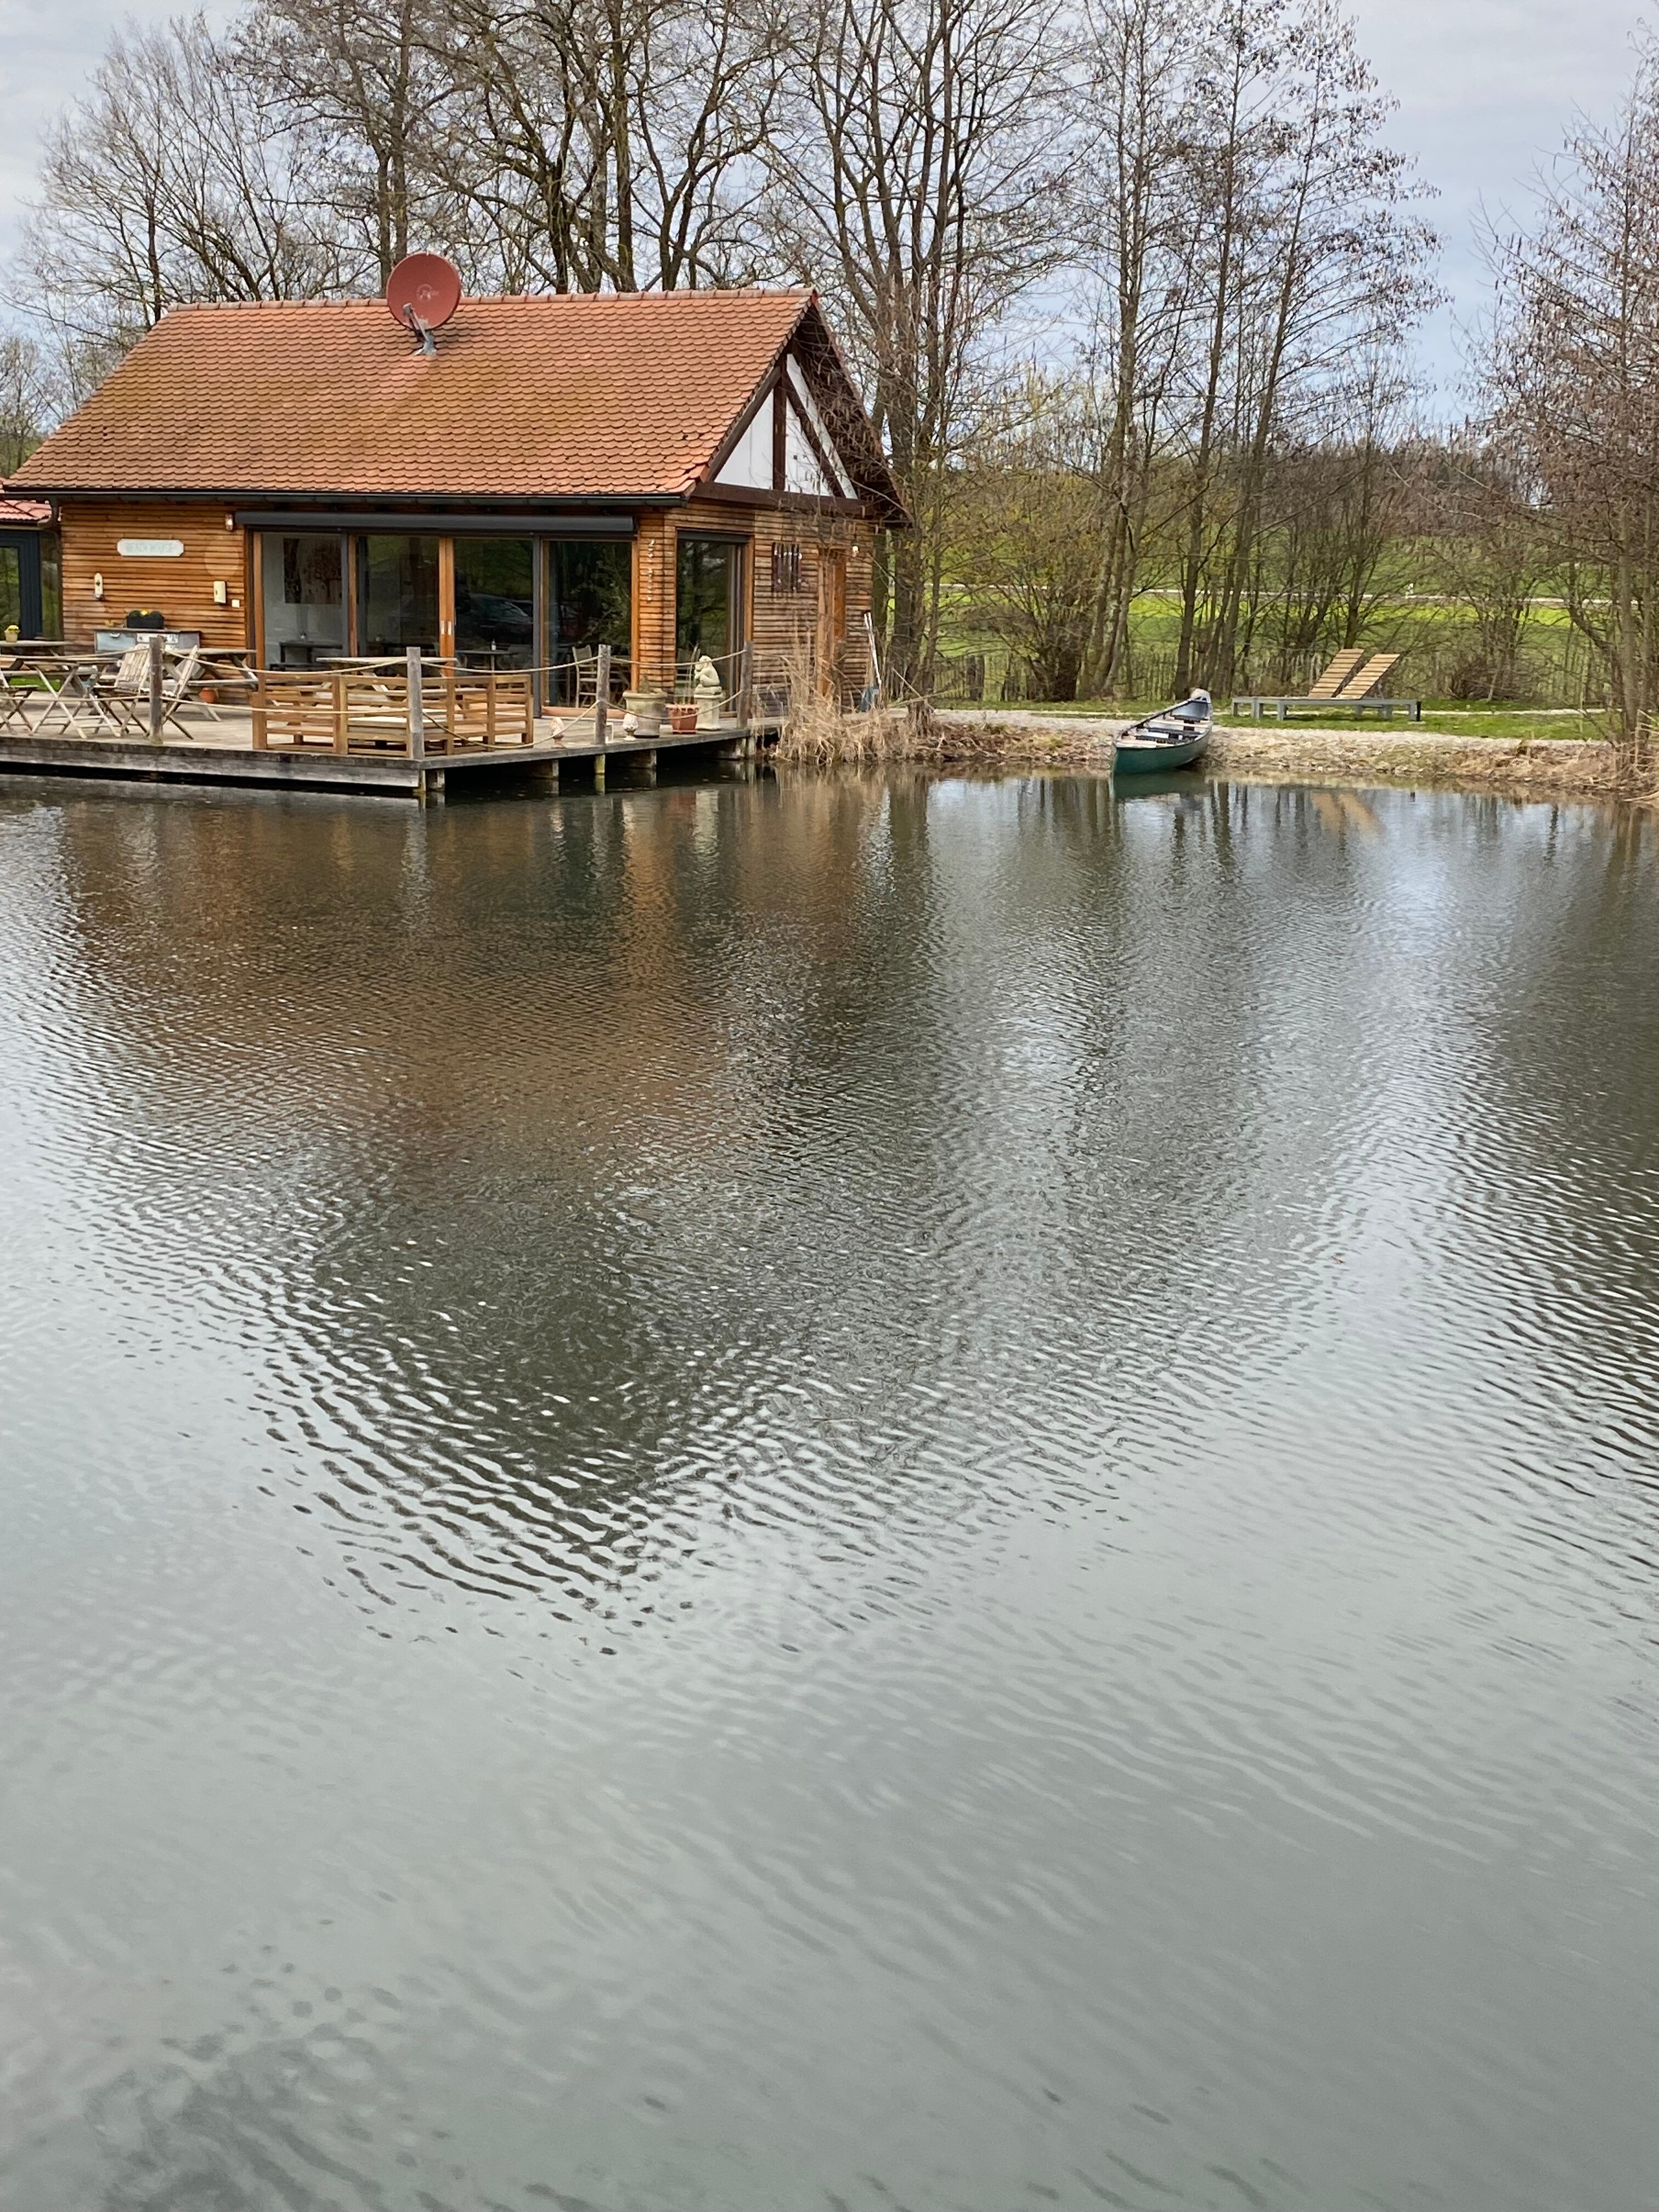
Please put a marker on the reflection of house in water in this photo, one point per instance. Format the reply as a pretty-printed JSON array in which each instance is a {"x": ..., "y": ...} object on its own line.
[
  {"x": 443, "y": 1115},
  {"x": 665, "y": 474}
]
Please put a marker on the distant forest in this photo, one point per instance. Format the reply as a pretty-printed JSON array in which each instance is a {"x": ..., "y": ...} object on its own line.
[{"x": 1130, "y": 287}]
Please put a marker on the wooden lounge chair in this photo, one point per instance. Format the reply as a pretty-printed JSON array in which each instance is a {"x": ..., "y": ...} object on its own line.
[
  {"x": 1351, "y": 681},
  {"x": 1335, "y": 676},
  {"x": 1361, "y": 685}
]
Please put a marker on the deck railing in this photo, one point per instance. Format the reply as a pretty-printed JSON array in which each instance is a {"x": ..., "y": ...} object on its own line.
[{"x": 370, "y": 710}]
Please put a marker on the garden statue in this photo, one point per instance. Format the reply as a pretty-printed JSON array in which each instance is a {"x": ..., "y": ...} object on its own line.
[{"x": 708, "y": 692}]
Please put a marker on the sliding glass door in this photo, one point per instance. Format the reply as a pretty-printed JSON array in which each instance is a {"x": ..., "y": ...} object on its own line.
[
  {"x": 496, "y": 602},
  {"x": 396, "y": 595},
  {"x": 302, "y": 580},
  {"x": 590, "y": 603},
  {"x": 709, "y": 604}
]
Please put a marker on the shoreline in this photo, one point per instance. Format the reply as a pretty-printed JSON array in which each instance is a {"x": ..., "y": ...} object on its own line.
[{"x": 1577, "y": 768}]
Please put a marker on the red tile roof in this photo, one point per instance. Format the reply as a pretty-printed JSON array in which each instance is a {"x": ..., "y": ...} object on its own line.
[
  {"x": 25, "y": 513},
  {"x": 567, "y": 397}
]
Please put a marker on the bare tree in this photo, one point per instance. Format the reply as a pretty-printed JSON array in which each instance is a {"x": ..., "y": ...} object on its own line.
[
  {"x": 167, "y": 183},
  {"x": 1305, "y": 253},
  {"x": 916, "y": 176},
  {"x": 599, "y": 145},
  {"x": 357, "y": 85},
  {"x": 1136, "y": 254},
  {"x": 26, "y": 408},
  {"x": 1574, "y": 369}
]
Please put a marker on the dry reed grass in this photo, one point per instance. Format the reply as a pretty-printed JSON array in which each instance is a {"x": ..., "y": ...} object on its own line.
[{"x": 819, "y": 733}]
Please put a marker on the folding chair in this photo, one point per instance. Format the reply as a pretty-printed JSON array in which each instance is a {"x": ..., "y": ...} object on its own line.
[
  {"x": 125, "y": 696},
  {"x": 16, "y": 691}
]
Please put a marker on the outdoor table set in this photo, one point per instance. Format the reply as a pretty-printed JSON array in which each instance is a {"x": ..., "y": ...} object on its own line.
[{"x": 101, "y": 694}]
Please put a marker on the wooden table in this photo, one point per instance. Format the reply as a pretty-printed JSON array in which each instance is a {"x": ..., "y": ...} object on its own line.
[{"x": 69, "y": 679}]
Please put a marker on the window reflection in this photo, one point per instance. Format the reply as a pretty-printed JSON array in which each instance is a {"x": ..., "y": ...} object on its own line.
[
  {"x": 304, "y": 590},
  {"x": 590, "y": 603},
  {"x": 494, "y": 602}
]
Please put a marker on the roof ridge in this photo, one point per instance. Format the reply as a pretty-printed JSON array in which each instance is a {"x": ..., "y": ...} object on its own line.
[{"x": 791, "y": 292}]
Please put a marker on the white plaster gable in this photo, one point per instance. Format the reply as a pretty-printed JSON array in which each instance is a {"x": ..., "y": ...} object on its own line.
[
  {"x": 750, "y": 461},
  {"x": 802, "y": 391}
]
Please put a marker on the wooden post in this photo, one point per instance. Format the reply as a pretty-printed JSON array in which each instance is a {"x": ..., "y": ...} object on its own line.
[
  {"x": 746, "y": 684},
  {"x": 340, "y": 733},
  {"x": 602, "y": 696},
  {"x": 156, "y": 645},
  {"x": 417, "y": 707},
  {"x": 446, "y": 599}
]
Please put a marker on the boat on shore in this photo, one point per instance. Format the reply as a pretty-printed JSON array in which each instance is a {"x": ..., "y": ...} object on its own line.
[{"x": 1174, "y": 737}]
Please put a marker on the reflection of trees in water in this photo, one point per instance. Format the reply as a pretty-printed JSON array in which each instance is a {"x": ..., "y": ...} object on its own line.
[
  {"x": 1546, "y": 980},
  {"x": 587, "y": 1178},
  {"x": 476, "y": 1157}
]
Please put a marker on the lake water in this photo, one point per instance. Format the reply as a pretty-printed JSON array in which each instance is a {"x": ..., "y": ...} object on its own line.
[{"x": 828, "y": 1495}]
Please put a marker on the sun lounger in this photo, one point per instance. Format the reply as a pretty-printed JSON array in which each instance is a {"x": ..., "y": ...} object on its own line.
[
  {"x": 1326, "y": 686},
  {"x": 1351, "y": 681}
]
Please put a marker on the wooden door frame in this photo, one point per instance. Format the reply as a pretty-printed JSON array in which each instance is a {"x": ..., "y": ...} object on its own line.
[{"x": 832, "y": 618}]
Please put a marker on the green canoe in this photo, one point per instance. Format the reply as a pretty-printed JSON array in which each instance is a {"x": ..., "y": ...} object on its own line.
[{"x": 1137, "y": 756}]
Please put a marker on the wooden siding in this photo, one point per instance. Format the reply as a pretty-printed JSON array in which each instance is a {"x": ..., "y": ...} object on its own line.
[
  {"x": 788, "y": 625},
  {"x": 783, "y": 627},
  {"x": 180, "y": 586}
]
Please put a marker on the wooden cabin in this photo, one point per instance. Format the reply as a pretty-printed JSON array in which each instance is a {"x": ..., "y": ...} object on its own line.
[{"x": 665, "y": 474}]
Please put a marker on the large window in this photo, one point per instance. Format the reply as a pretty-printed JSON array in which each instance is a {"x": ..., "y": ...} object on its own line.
[
  {"x": 396, "y": 595},
  {"x": 304, "y": 588},
  {"x": 709, "y": 603},
  {"x": 590, "y": 603},
  {"x": 496, "y": 602}
]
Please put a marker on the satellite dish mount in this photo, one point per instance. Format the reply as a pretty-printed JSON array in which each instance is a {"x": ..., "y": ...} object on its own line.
[{"x": 423, "y": 293}]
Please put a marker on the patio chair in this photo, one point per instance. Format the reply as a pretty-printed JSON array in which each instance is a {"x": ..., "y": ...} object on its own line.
[
  {"x": 586, "y": 658},
  {"x": 124, "y": 695}
]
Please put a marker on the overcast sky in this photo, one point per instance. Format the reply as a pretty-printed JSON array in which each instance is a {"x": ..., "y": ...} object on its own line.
[{"x": 1486, "y": 88}]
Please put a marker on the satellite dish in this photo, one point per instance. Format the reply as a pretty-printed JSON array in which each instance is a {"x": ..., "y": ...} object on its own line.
[{"x": 423, "y": 293}]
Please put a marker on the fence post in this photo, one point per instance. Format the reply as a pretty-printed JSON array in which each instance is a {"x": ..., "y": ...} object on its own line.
[
  {"x": 602, "y": 696},
  {"x": 417, "y": 706},
  {"x": 746, "y": 684},
  {"x": 156, "y": 643}
]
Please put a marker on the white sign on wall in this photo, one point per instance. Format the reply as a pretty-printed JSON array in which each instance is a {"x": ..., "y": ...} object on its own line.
[{"x": 150, "y": 549}]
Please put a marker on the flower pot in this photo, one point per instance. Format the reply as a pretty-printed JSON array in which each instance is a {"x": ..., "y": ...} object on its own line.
[
  {"x": 682, "y": 721},
  {"x": 646, "y": 707}
]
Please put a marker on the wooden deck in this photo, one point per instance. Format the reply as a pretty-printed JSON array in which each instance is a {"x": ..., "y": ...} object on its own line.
[{"x": 225, "y": 752}]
